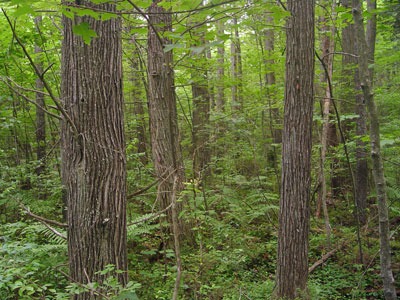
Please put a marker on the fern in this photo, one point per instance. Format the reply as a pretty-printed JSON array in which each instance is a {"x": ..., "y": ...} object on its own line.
[{"x": 139, "y": 228}]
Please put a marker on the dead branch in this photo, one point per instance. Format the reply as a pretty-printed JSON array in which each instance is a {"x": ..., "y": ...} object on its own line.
[
  {"x": 145, "y": 189},
  {"x": 322, "y": 260},
  {"x": 41, "y": 219},
  {"x": 24, "y": 88},
  {"x": 151, "y": 217},
  {"x": 29, "y": 100}
]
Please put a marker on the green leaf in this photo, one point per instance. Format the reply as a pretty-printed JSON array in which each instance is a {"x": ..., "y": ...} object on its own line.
[
  {"x": 199, "y": 49},
  {"x": 23, "y": 10},
  {"x": 85, "y": 32},
  {"x": 67, "y": 13},
  {"x": 169, "y": 47},
  {"x": 127, "y": 295}
]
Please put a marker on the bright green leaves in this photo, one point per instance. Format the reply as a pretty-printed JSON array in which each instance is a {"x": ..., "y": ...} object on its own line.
[
  {"x": 199, "y": 49},
  {"x": 170, "y": 47},
  {"x": 85, "y": 32},
  {"x": 196, "y": 49}
]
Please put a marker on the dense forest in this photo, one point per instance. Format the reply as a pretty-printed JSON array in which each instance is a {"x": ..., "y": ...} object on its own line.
[{"x": 190, "y": 149}]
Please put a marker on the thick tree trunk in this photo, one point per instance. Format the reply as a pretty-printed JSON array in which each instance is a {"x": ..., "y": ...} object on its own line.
[
  {"x": 377, "y": 165},
  {"x": 164, "y": 130},
  {"x": 292, "y": 261},
  {"x": 93, "y": 150},
  {"x": 40, "y": 114}
]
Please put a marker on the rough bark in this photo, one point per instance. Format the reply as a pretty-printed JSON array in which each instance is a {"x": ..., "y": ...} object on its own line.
[
  {"x": 93, "y": 150},
  {"x": 40, "y": 114},
  {"x": 389, "y": 290},
  {"x": 362, "y": 170},
  {"x": 164, "y": 132},
  {"x": 292, "y": 260},
  {"x": 236, "y": 71}
]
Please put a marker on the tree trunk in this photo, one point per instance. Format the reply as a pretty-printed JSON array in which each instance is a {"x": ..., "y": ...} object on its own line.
[
  {"x": 164, "y": 130},
  {"x": 93, "y": 154},
  {"x": 361, "y": 172},
  {"x": 292, "y": 260},
  {"x": 40, "y": 114},
  {"x": 270, "y": 81},
  {"x": 201, "y": 115},
  {"x": 236, "y": 71},
  {"x": 328, "y": 46},
  {"x": 377, "y": 165},
  {"x": 220, "y": 99},
  {"x": 138, "y": 109}
]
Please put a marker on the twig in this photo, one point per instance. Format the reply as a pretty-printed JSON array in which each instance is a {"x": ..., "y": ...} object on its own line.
[
  {"x": 340, "y": 53},
  {"x": 40, "y": 75},
  {"x": 24, "y": 88},
  {"x": 145, "y": 189},
  {"x": 29, "y": 100},
  {"x": 148, "y": 21},
  {"x": 43, "y": 220},
  {"x": 151, "y": 217},
  {"x": 283, "y": 5},
  {"x": 92, "y": 290},
  {"x": 242, "y": 293},
  {"x": 29, "y": 213}
]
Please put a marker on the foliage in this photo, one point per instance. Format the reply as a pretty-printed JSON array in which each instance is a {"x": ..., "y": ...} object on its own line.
[{"x": 233, "y": 212}]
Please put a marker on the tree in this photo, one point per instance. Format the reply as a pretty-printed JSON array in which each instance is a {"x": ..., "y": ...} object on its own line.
[
  {"x": 328, "y": 44},
  {"x": 292, "y": 260},
  {"x": 201, "y": 109},
  {"x": 40, "y": 114},
  {"x": 236, "y": 69},
  {"x": 352, "y": 72},
  {"x": 164, "y": 132},
  {"x": 93, "y": 148},
  {"x": 377, "y": 165}
]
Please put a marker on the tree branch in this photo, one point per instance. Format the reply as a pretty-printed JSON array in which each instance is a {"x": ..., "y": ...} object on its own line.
[
  {"x": 151, "y": 217},
  {"x": 29, "y": 100},
  {"x": 41, "y": 77},
  {"x": 41, "y": 219}
]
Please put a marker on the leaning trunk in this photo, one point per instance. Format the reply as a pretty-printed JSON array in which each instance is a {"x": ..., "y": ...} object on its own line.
[{"x": 377, "y": 165}]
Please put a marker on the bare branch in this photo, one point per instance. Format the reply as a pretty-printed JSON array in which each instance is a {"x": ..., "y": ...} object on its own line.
[
  {"x": 321, "y": 261},
  {"x": 29, "y": 100},
  {"x": 40, "y": 75},
  {"x": 41, "y": 219},
  {"x": 24, "y": 88},
  {"x": 151, "y": 217},
  {"x": 92, "y": 290}
]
